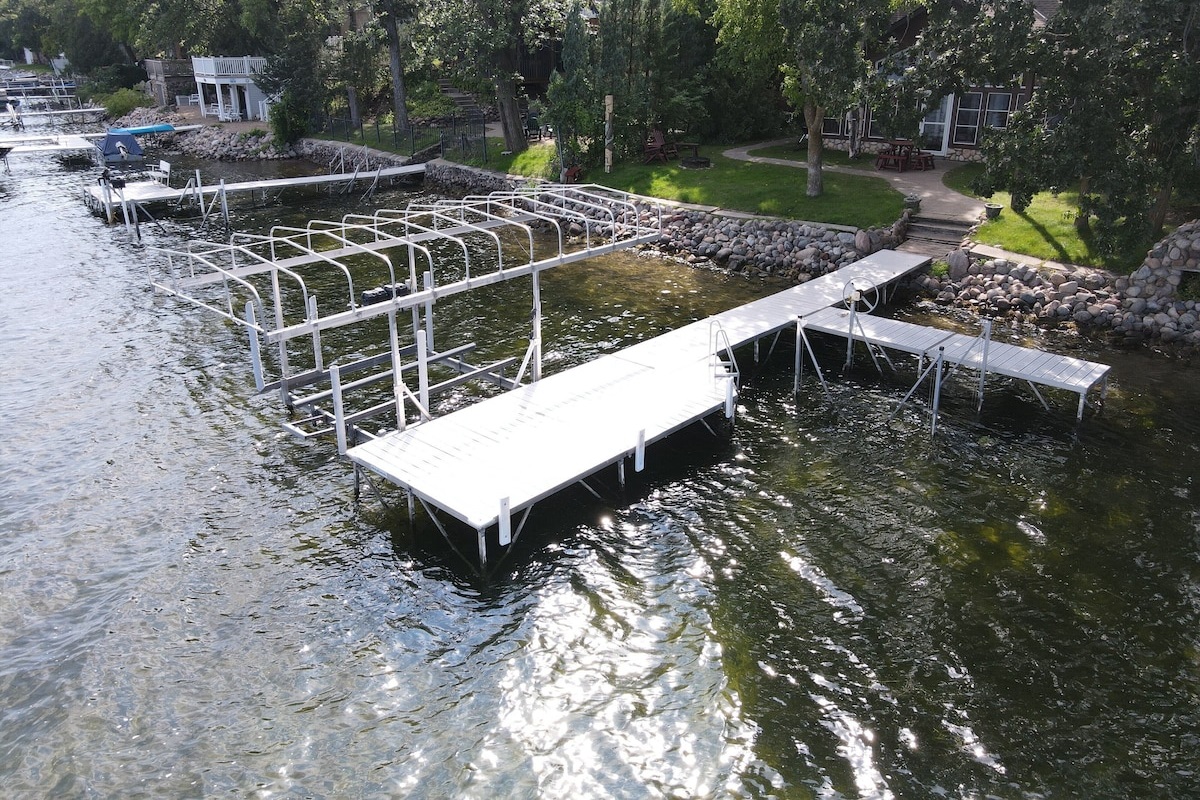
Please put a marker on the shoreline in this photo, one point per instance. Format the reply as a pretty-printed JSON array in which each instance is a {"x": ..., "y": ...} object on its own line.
[{"x": 1142, "y": 309}]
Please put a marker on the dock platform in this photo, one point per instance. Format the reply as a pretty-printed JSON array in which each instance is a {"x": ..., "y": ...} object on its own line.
[
  {"x": 498, "y": 457},
  {"x": 978, "y": 353}
]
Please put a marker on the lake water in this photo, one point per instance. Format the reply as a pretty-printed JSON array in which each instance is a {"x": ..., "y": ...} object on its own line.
[{"x": 824, "y": 603}]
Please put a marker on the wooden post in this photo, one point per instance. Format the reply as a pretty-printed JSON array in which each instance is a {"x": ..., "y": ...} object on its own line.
[{"x": 608, "y": 133}]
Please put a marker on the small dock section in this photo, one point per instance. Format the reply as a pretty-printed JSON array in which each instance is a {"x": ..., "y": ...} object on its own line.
[{"x": 978, "y": 353}]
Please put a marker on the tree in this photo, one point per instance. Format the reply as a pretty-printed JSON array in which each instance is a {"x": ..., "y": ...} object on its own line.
[
  {"x": 1115, "y": 112},
  {"x": 392, "y": 16},
  {"x": 482, "y": 39},
  {"x": 822, "y": 47}
]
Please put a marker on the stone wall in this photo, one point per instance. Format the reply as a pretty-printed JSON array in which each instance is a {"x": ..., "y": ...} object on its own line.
[{"x": 1143, "y": 307}]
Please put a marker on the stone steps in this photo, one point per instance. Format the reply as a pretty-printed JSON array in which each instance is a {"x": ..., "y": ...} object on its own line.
[
  {"x": 935, "y": 236},
  {"x": 466, "y": 103}
]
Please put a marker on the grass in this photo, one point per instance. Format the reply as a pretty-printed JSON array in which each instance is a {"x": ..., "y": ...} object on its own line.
[
  {"x": 766, "y": 189},
  {"x": 1044, "y": 230}
]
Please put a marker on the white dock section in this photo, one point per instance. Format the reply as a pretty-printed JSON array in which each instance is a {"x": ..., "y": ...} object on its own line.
[
  {"x": 485, "y": 462},
  {"x": 157, "y": 192},
  {"x": 62, "y": 144},
  {"x": 977, "y": 353}
]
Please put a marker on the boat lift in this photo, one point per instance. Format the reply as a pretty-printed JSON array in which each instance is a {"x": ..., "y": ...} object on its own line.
[{"x": 393, "y": 262}]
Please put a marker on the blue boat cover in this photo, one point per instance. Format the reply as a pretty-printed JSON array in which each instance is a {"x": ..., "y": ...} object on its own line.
[
  {"x": 162, "y": 127},
  {"x": 118, "y": 147}
]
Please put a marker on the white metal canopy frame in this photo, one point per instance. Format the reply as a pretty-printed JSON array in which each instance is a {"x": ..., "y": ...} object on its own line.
[{"x": 364, "y": 267}]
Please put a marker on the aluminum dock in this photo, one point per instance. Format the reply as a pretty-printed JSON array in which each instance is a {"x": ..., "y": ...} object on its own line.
[
  {"x": 497, "y": 458},
  {"x": 939, "y": 347}
]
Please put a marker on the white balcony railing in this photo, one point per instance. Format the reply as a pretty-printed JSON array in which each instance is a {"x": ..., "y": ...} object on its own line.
[{"x": 224, "y": 67}]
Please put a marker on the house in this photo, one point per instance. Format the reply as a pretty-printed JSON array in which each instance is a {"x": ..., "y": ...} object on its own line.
[
  {"x": 225, "y": 87},
  {"x": 954, "y": 128},
  {"x": 168, "y": 78}
]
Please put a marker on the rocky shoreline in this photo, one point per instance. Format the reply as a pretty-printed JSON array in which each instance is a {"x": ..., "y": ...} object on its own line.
[{"x": 1159, "y": 303}]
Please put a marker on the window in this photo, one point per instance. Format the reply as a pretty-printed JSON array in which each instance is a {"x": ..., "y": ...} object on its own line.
[
  {"x": 997, "y": 110},
  {"x": 832, "y": 126},
  {"x": 966, "y": 120}
]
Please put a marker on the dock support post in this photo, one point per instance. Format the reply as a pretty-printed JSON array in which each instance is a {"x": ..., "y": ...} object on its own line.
[
  {"x": 505, "y": 522},
  {"x": 987, "y": 340},
  {"x": 284, "y": 367},
  {"x": 255, "y": 353},
  {"x": 639, "y": 455},
  {"x": 423, "y": 368},
  {"x": 798, "y": 372},
  {"x": 937, "y": 389},
  {"x": 482, "y": 548},
  {"x": 802, "y": 345},
  {"x": 339, "y": 410},
  {"x": 397, "y": 374},
  {"x": 850, "y": 331},
  {"x": 318, "y": 359},
  {"x": 535, "y": 364},
  {"x": 428, "y": 278},
  {"x": 729, "y": 407},
  {"x": 412, "y": 507},
  {"x": 224, "y": 204},
  {"x": 621, "y": 472},
  {"x": 109, "y": 213}
]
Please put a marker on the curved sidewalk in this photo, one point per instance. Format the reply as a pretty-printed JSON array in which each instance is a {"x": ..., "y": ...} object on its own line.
[{"x": 936, "y": 199}]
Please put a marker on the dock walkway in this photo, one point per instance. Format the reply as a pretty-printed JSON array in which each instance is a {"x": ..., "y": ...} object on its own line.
[{"x": 502, "y": 455}]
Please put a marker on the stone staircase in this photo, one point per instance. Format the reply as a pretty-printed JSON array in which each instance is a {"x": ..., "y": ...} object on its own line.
[
  {"x": 467, "y": 107},
  {"x": 935, "y": 236}
]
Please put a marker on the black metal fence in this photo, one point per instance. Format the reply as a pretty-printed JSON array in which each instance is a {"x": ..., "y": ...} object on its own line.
[{"x": 463, "y": 138}]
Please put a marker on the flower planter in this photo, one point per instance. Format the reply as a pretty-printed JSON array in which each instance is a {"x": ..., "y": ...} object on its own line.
[{"x": 992, "y": 210}]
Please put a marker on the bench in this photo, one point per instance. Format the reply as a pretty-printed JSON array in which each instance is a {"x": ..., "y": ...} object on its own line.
[{"x": 896, "y": 161}]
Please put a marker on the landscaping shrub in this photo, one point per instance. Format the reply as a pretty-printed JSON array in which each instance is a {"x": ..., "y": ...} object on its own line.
[{"x": 122, "y": 101}]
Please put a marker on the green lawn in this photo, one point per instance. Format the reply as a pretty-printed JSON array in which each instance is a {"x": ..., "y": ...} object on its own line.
[
  {"x": 777, "y": 191},
  {"x": 1044, "y": 230}
]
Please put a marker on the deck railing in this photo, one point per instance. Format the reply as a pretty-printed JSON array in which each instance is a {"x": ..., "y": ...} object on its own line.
[{"x": 225, "y": 67}]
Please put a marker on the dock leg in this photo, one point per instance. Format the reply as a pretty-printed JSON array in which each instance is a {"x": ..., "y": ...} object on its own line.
[
  {"x": 798, "y": 373},
  {"x": 412, "y": 508},
  {"x": 621, "y": 473},
  {"x": 535, "y": 363},
  {"x": 482, "y": 548},
  {"x": 937, "y": 390}
]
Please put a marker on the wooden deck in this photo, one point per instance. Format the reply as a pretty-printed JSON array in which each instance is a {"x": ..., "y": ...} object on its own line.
[
  {"x": 487, "y": 461},
  {"x": 1021, "y": 363}
]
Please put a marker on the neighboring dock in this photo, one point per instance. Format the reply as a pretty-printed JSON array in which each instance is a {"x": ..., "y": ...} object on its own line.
[{"x": 107, "y": 197}]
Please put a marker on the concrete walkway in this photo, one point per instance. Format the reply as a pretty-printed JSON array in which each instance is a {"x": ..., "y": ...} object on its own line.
[{"x": 936, "y": 199}]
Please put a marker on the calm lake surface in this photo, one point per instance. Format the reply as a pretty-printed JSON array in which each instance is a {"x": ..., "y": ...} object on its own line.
[{"x": 824, "y": 603}]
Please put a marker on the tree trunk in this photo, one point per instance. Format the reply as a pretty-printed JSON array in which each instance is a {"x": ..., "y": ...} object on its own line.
[
  {"x": 854, "y": 140},
  {"x": 1082, "y": 225},
  {"x": 506, "y": 101},
  {"x": 814, "y": 117},
  {"x": 399, "y": 93},
  {"x": 1162, "y": 204},
  {"x": 352, "y": 102}
]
